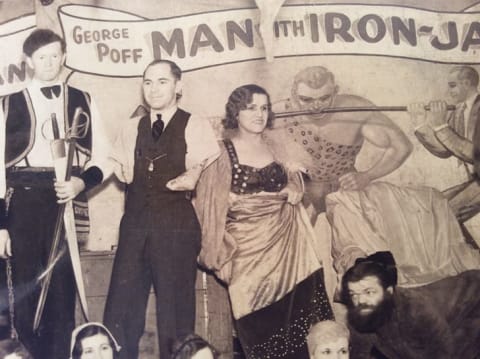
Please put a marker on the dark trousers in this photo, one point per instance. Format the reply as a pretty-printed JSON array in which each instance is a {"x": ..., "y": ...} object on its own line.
[
  {"x": 4, "y": 312},
  {"x": 159, "y": 247},
  {"x": 32, "y": 217}
]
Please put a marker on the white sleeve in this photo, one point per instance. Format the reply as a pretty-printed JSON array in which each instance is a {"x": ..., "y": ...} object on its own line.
[
  {"x": 101, "y": 144},
  {"x": 3, "y": 175},
  {"x": 202, "y": 143},
  {"x": 121, "y": 158}
]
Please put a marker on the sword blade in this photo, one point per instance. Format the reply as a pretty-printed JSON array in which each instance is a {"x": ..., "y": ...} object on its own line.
[
  {"x": 63, "y": 170},
  {"x": 50, "y": 264},
  {"x": 71, "y": 234}
]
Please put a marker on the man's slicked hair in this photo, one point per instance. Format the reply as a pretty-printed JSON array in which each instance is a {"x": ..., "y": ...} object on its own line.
[
  {"x": 467, "y": 73},
  {"x": 176, "y": 71},
  {"x": 40, "y": 38}
]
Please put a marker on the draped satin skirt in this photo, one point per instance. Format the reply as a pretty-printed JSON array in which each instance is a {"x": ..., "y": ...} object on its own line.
[{"x": 277, "y": 287}]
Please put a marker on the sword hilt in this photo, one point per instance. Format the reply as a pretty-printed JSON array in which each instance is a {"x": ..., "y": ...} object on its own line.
[{"x": 55, "y": 129}]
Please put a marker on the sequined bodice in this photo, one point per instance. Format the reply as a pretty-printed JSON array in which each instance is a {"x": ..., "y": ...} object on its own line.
[
  {"x": 247, "y": 179},
  {"x": 329, "y": 160}
]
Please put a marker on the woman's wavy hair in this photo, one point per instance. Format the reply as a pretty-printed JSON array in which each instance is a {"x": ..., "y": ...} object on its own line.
[{"x": 239, "y": 99}]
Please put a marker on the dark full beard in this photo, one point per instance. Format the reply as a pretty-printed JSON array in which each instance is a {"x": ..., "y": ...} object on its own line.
[{"x": 369, "y": 323}]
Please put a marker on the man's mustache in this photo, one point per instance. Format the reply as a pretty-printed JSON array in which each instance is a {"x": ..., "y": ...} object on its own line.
[{"x": 365, "y": 306}]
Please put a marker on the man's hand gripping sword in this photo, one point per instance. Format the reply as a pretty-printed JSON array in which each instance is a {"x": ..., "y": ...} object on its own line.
[{"x": 65, "y": 218}]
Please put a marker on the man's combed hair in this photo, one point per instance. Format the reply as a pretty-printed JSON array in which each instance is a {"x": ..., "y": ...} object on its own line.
[
  {"x": 40, "y": 38},
  {"x": 467, "y": 73},
  {"x": 176, "y": 71}
]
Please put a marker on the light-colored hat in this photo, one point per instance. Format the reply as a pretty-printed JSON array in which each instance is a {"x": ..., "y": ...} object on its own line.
[{"x": 78, "y": 329}]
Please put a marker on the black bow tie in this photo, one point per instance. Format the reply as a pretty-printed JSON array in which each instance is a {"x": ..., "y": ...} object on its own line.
[
  {"x": 49, "y": 91},
  {"x": 157, "y": 128}
]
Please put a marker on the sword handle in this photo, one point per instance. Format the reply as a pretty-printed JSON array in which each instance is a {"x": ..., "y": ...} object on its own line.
[{"x": 55, "y": 130}]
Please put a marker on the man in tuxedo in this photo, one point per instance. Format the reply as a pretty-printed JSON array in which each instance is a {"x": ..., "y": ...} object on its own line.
[
  {"x": 453, "y": 134},
  {"x": 27, "y": 170}
]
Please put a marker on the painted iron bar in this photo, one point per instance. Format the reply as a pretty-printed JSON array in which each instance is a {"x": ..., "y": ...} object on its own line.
[{"x": 351, "y": 109}]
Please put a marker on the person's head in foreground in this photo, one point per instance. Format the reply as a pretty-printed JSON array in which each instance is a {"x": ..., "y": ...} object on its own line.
[
  {"x": 192, "y": 346},
  {"x": 367, "y": 290},
  {"x": 93, "y": 341},
  {"x": 13, "y": 349},
  {"x": 328, "y": 339}
]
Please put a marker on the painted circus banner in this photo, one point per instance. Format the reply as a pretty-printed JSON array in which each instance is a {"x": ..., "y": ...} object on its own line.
[
  {"x": 14, "y": 72},
  {"x": 413, "y": 177},
  {"x": 115, "y": 43},
  {"x": 390, "y": 55}
]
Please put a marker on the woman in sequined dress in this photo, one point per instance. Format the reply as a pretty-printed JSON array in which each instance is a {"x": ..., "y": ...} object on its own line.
[{"x": 257, "y": 236}]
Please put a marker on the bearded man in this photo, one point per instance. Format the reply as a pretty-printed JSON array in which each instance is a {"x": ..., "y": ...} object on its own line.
[{"x": 439, "y": 320}]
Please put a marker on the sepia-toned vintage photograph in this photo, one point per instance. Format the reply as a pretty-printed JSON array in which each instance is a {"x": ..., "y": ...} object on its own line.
[{"x": 239, "y": 179}]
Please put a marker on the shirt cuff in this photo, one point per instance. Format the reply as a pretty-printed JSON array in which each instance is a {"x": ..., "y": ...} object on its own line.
[
  {"x": 441, "y": 127},
  {"x": 419, "y": 127},
  {"x": 3, "y": 214},
  {"x": 92, "y": 177}
]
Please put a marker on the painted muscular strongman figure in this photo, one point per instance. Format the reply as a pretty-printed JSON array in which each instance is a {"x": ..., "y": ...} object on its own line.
[
  {"x": 333, "y": 140},
  {"x": 414, "y": 223}
]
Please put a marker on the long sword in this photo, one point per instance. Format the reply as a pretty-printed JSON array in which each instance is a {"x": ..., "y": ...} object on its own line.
[{"x": 63, "y": 169}]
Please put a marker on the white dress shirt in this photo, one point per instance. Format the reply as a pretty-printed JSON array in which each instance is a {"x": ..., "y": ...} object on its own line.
[
  {"x": 198, "y": 135},
  {"x": 40, "y": 154},
  {"x": 202, "y": 146}
]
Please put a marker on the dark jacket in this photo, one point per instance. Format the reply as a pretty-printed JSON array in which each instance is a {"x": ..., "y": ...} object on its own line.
[{"x": 437, "y": 321}]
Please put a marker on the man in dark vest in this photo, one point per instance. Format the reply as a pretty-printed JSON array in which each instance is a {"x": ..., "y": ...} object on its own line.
[
  {"x": 27, "y": 170},
  {"x": 159, "y": 233}
]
